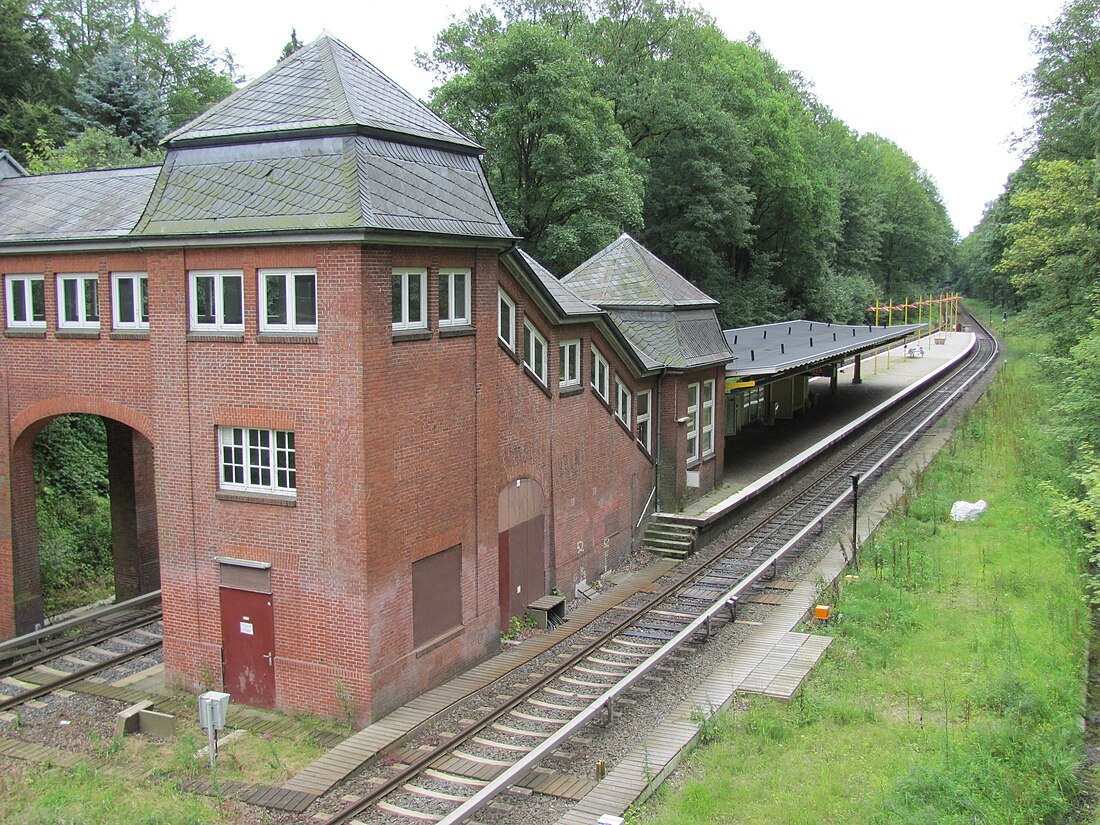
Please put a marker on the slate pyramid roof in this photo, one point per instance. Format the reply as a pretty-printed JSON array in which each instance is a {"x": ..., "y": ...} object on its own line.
[
  {"x": 626, "y": 274},
  {"x": 324, "y": 85}
]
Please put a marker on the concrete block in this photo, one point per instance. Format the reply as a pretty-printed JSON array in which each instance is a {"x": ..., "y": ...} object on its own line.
[
  {"x": 126, "y": 720},
  {"x": 160, "y": 725}
]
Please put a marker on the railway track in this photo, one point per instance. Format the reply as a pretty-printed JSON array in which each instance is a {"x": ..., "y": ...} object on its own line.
[
  {"x": 60, "y": 656},
  {"x": 463, "y": 776}
]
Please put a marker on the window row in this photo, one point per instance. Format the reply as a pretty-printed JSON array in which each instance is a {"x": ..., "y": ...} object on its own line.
[
  {"x": 410, "y": 298},
  {"x": 288, "y": 301},
  {"x": 77, "y": 301},
  {"x": 535, "y": 349}
]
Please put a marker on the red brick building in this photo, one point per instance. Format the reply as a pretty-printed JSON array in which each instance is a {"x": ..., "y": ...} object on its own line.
[{"x": 352, "y": 428}]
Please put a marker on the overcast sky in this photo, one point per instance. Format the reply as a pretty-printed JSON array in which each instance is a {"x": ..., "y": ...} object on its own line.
[{"x": 941, "y": 79}]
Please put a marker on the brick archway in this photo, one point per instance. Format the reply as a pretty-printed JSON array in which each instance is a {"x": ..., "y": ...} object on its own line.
[
  {"x": 135, "y": 543},
  {"x": 43, "y": 411}
]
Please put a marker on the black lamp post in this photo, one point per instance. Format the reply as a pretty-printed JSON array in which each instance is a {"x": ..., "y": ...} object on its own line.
[{"x": 855, "y": 518}]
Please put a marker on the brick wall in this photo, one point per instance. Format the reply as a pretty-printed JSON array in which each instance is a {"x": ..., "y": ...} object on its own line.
[{"x": 403, "y": 444}]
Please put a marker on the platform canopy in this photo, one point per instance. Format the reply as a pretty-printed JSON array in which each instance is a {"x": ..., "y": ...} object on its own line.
[{"x": 794, "y": 346}]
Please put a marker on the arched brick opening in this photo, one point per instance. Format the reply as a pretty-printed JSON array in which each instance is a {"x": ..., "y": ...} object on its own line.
[{"x": 133, "y": 508}]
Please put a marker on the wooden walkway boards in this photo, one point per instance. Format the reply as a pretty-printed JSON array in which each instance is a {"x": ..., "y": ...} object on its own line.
[
  {"x": 349, "y": 755},
  {"x": 773, "y": 660}
]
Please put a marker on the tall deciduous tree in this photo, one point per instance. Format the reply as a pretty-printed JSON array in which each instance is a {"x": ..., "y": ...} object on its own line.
[{"x": 556, "y": 158}]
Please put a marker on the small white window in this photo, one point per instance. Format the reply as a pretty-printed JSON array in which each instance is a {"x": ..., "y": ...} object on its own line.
[
  {"x": 217, "y": 301},
  {"x": 257, "y": 461},
  {"x": 693, "y": 424},
  {"x": 645, "y": 415},
  {"x": 506, "y": 320},
  {"x": 25, "y": 297},
  {"x": 622, "y": 402},
  {"x": 707, "y": 429},
  {"x": 130, "y": 300},
  {"x": 570, "y": 367},
  {"x": 288, "y": 300},
  {"x": 454, "y": 297},
  {"x": 78, "y": 301},
  {"x": 600, "y": 374},
  {"x": 534, "y": 351},
  {"x": 410, "y": 298}
]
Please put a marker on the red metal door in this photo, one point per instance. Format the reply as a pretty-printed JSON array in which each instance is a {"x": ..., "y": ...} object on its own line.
[
  {"x": 522, "y": 568},
  {"x": 248, "y": 647}
]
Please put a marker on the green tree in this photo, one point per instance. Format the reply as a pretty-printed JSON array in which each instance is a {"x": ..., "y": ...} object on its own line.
[
  {"x": 1065, "y": 84},
  {"x": 1051, "y": 256},
  {"x": 92, "y": 149},
  {"x": 291, "y": 46},
  {"x": 111, "y": 94},
  {"x": 29, "y": 83},
  {"x": 556, "y": 159}
]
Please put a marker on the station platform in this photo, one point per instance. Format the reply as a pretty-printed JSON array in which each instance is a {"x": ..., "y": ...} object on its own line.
[{"x": 761, "y": 456}]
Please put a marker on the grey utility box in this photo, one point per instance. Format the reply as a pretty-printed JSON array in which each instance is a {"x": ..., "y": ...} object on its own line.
[{"x": 212, "y": 709}]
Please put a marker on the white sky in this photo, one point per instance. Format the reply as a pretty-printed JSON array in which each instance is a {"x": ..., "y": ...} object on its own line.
[{"x": 941, "y": 79}]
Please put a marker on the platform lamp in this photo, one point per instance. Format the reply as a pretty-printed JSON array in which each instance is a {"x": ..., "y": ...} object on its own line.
[{"x": 855, "y": 518}]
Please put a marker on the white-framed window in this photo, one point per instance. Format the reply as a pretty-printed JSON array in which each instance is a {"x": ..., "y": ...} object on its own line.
[
  {"x": 78, "y": 301},
  {"x": 217, "y": 301},
  {"x": 506, "y": 320},
  {"x": 254, "y": 460},
  {"x": 410, "y": 298},
  {"x": 130, "y": 300},
  {"x": 600, "y": 374},
  {"x": 693, "y": 423},
  {"x": 707, "y": 416},
  {"x": 644, "y": 420},
  {"x": 622, "y": 402},
  {"x": 534, "y": 351},
  {"x": 25, "y": 297},
  {"x": 288, "y": 300},
  {"x": 454, "y": 297},
  {"x": 570, "y": 363}
]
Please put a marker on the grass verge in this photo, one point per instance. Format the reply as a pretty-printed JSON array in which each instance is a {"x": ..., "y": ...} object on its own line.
[{"x": 953, "y": 690}]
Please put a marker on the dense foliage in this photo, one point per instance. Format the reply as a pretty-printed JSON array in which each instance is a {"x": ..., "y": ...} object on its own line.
[
  {"x": 1037, "y": 247},
  {"x": 74, "y": 511},
  {"x": 67, "y": 66},
  {"x": 600, "y": 116}
]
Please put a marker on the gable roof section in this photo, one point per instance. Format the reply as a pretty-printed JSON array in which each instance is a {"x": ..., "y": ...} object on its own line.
[
  {"x": 568, "y": 303},
  {"x": 352, "y": 182},
  {"x": 74, "y": 205},
  {"x": 324, "y": 85},
  {"x": 626, "y": 274},
  {"x": 9, "y": 166}
]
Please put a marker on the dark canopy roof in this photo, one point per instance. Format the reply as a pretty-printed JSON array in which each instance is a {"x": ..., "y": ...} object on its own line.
[{"x": 792, "y": 345}]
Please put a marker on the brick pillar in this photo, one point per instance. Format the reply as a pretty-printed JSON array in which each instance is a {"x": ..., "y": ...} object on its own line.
[
  {"x": 26, "y": 579},
  {"x": 145, "y": 512},
  {"x": 124, "y": 545},
  {"x": 7, "y": 589},
  {"x": 855, "y": 370}
]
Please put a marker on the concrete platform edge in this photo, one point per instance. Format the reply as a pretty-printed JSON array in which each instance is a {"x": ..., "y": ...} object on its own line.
[{"x": 723, "y": 508}]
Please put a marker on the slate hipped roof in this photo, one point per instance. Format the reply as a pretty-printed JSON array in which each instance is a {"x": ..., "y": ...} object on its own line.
[
  {"x": 322, "y": 142},
  {"x": 322, "y": 85}
]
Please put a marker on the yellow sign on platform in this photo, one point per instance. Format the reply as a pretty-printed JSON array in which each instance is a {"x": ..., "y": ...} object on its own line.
[{"x": 734, "y": 384}]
